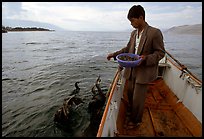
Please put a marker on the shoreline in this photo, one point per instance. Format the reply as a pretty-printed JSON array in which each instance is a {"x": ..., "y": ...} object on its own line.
[{"x": 21, "y": 29}]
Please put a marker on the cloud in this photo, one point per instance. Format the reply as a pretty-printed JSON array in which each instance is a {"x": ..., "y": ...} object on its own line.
[
  {"x": 12, "y": 9},
  {"x": 109, "y": 16},
  {"x": 75, "y": 16},
  {"x": 180, "y": 15}
]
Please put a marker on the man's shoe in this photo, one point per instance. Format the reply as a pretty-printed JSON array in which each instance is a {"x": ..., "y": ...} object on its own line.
[{"x": 132, "y": 125}]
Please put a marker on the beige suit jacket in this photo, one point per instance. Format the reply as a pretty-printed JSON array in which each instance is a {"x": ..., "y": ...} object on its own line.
[{"x": 152, "y": 46}]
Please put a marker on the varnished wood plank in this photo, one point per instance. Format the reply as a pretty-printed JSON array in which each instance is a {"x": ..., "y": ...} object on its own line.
[
  {"x": 144, "y": 130},
  {"x": 189, "y": 120},
  {"x": 168, "y": 124},
  {"x": 170, "y": 119}
]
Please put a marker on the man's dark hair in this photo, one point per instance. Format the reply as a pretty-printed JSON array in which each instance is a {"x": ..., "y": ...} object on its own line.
[{"x": 136, "y": 11}]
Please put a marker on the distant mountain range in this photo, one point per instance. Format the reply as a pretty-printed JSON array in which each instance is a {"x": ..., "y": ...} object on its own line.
[
  {"x": 186, "y": 29},
  {"x": 195, "y": 29},
  {"x": 26, "y": 23}
]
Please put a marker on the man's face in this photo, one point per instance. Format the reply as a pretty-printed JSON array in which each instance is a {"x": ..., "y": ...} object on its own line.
[{"x": 135, "y": 22}]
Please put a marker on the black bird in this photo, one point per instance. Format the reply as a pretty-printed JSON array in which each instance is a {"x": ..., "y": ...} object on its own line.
[
  {"x": 75, "y": 91},
  {"x": 96, "y": 85},
  {"x": 96, "y": 104},
  {"x": 62, "y": 115}
]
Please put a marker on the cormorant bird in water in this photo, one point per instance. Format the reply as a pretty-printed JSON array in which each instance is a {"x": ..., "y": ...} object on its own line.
[
  {"x": 96, "y": 105},
  {"x": 63, "y": 113},
  {"x": 75, "y": 91},
  {"x": 95, "y": 108}
]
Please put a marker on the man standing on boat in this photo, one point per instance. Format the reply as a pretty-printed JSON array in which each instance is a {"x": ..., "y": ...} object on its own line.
[{"x": 147, "y": 42}]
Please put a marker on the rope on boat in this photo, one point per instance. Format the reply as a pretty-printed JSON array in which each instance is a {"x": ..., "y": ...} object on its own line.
[{"x": 185, "y": 70}]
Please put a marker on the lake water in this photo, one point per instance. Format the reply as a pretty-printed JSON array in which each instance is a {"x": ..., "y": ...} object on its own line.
[{"x": 39, "y": 70}]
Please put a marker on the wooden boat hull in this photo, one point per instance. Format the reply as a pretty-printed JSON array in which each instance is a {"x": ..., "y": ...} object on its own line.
[{"x": 173, "y": 105}]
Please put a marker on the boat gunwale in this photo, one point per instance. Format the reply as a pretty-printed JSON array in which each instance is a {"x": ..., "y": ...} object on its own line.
[
  {"x": 113, "y": 84},
  {"x": 180, "y": 67},
  {"x": 101, "y": 126}
]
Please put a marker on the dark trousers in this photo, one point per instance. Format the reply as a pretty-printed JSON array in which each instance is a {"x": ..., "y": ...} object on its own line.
[{"x": 136, "y": 97}]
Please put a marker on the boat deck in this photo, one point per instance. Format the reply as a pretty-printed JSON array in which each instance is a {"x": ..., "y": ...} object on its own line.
[{"x": 163, "y": 116}]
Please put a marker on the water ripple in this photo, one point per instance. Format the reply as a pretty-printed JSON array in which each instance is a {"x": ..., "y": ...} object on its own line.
[{"x": 38, "y": 75}]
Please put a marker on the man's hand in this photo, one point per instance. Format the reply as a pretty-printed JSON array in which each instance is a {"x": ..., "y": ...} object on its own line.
[
  {"x": 143, "y": 58},
  {"x": 110, "y": 56}
]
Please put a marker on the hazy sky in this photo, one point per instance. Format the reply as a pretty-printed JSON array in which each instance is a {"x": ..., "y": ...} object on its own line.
[{"x": 103, "y": 16}]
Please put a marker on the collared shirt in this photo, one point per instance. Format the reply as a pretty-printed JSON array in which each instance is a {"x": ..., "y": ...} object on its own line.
[{"x": 137, "y": 40}]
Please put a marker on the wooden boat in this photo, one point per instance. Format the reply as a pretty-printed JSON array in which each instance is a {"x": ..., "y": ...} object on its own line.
[{"x": 173, "y": 106}]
